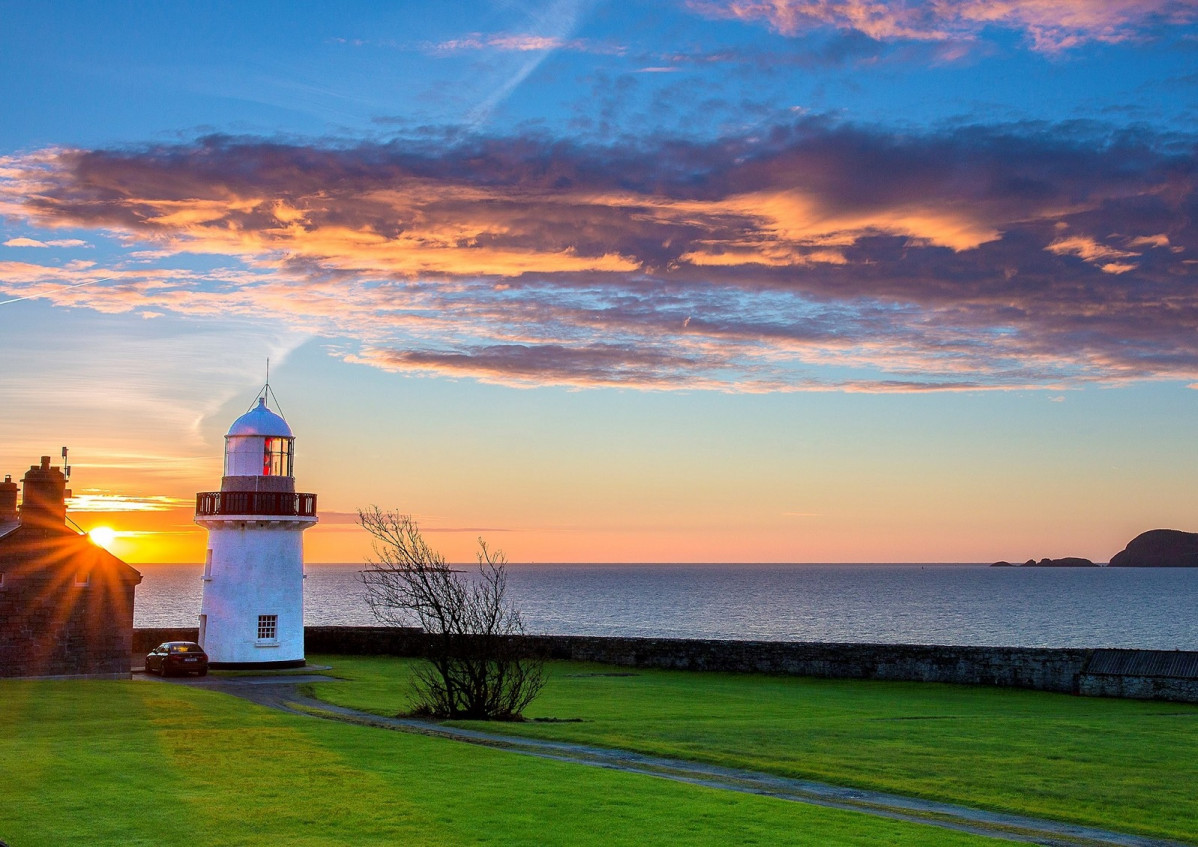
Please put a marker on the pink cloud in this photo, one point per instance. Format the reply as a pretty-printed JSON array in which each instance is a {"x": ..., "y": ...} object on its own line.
[
  {"x": 521, "y": 43},
  {"x": 1050, "y": 25},
  {"x": 33, "y": 242}
]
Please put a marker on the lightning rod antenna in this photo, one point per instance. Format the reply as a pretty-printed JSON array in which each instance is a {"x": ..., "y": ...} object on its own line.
[{"x": 268, "y": 395}]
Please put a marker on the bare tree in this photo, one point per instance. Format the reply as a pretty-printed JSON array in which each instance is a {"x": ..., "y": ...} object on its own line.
[{"x": 477, "y": 666}]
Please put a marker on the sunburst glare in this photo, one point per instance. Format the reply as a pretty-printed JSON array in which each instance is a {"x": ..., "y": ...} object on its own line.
[{"x": 103, "y": 536}]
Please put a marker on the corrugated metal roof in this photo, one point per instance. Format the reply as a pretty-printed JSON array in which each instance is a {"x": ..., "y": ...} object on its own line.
[{"x": 1177, "y": 664}]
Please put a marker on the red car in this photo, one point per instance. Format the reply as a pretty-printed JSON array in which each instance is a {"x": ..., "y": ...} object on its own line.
[{"x": 172, "y": 657}]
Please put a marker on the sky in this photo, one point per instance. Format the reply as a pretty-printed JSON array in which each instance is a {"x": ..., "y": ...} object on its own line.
[{"x": 674, "y": 281}]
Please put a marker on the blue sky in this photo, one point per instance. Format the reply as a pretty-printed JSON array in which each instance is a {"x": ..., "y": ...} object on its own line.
[
  {"x": 119, "y": 73},
  {"x": 694, "y": 281}
]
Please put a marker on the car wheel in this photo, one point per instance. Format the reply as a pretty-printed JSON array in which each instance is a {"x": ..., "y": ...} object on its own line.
[
  {"x": 162, "y": 672},
  {"x": 204, "y": 672}
]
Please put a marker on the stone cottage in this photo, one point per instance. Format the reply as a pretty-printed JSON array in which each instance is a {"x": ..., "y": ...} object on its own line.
[{"x": 66, "y": 604}]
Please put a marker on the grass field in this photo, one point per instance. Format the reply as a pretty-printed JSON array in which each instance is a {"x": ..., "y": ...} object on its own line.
[
  {"x": 155, "y": 764},
  {"x": 1120, "y": 764}
]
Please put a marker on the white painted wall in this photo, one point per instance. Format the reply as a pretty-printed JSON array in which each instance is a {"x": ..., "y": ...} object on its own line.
[{"x": 257, "y": 569}]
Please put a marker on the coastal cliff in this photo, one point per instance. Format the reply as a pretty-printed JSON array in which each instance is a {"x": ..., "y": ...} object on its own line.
[{"x": 1159, "y": 548}]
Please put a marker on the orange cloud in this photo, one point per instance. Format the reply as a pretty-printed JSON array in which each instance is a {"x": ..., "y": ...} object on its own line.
[
  {"x": 90, "y": 500},
  {"x": 1088, "y": 249},
  {"x": 804, "y": 220},
  {"x": 808, "y": 257}
]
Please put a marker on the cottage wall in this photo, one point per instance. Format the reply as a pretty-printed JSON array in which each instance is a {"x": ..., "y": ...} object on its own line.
[
  {"x": 66, "y": 605},
  {"x": 52, "y": 626}
]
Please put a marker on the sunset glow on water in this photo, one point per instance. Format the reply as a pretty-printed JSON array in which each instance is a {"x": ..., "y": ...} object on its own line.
[{"x": 890, "y": 604}]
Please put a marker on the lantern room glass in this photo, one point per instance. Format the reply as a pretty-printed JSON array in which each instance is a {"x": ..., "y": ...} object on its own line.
[{"x": 276, "y": 456}]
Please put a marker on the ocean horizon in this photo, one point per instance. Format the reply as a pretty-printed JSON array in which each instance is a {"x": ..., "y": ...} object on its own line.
[{"x": 912, "y": 603}]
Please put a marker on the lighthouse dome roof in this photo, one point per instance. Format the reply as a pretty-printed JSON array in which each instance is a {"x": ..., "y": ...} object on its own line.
[{"x": 261, "y": 421}]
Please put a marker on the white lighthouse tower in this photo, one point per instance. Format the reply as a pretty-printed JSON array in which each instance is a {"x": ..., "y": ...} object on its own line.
[{"x": 252, "y": 612}]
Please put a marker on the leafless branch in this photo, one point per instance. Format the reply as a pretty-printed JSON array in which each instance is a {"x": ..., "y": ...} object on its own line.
[{"x": 477, "y": 666}]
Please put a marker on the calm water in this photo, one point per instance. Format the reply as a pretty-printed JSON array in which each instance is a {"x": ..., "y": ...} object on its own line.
[{"x": 1152, "y": 608}]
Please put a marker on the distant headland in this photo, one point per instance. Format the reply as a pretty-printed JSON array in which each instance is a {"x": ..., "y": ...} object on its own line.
[
  {"x": 1159, "y": 548},
  {"x": 1156, "y": 548}
]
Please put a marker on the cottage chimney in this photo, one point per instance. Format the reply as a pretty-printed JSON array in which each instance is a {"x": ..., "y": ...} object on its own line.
[
  {"x": 43, "y": 498},
  {"x": 8, "y": 500}
]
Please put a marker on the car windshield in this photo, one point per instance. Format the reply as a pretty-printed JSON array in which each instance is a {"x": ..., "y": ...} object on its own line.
[{"x": 186, "y": 648}]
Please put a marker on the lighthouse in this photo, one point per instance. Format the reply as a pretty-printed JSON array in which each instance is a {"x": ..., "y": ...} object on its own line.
[{"x": 252, "y": 611}]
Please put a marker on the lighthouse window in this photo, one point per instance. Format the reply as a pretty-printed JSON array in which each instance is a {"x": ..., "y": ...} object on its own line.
[
  {"x": 268, "y": 627},
  {"x": 276, "y": 457}
]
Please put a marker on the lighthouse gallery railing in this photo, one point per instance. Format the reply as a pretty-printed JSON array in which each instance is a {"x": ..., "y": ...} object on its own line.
[{"x": 273, "y": 503}]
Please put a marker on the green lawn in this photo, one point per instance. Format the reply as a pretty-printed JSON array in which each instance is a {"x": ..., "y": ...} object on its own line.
[
  {"x": 1121, "y": 764},
  {"x": 155, "y": 764}
]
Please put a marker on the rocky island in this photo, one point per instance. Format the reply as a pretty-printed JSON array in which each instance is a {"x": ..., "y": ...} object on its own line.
[
  {"x": 1159, "y": 548},
  {"x": 1066, "y": 562}
]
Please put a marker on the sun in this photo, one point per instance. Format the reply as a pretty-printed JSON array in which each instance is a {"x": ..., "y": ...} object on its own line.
[{"x": 103, "y": 536}]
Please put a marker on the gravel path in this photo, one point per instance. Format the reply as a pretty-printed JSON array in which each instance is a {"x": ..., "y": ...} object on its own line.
[{"x": 282, "y": 692}]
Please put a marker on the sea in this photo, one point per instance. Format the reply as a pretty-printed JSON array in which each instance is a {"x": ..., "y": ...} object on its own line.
[{"x": 958, "y": 605}]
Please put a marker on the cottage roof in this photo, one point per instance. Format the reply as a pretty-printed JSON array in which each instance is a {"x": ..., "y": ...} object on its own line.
[{"x": 26, "y": 549}]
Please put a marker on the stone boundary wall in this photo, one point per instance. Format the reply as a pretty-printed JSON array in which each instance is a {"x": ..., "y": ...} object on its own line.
[
  {"x": 1142, "y": 675},
  {"x": 1139, "y": 687},
  {"x": 146, "y": 639},
  {"x": 1043, "y": 669},
  {"x": 1046, "y": 670}
]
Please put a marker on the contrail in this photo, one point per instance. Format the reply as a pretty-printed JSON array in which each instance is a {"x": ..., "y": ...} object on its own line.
[
  {"x": 72, "y": 285},
  {"x": 559, "y": 21}
]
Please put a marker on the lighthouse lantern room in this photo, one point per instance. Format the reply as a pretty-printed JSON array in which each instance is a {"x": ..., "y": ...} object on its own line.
[{"x": 252, "y": 612}]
